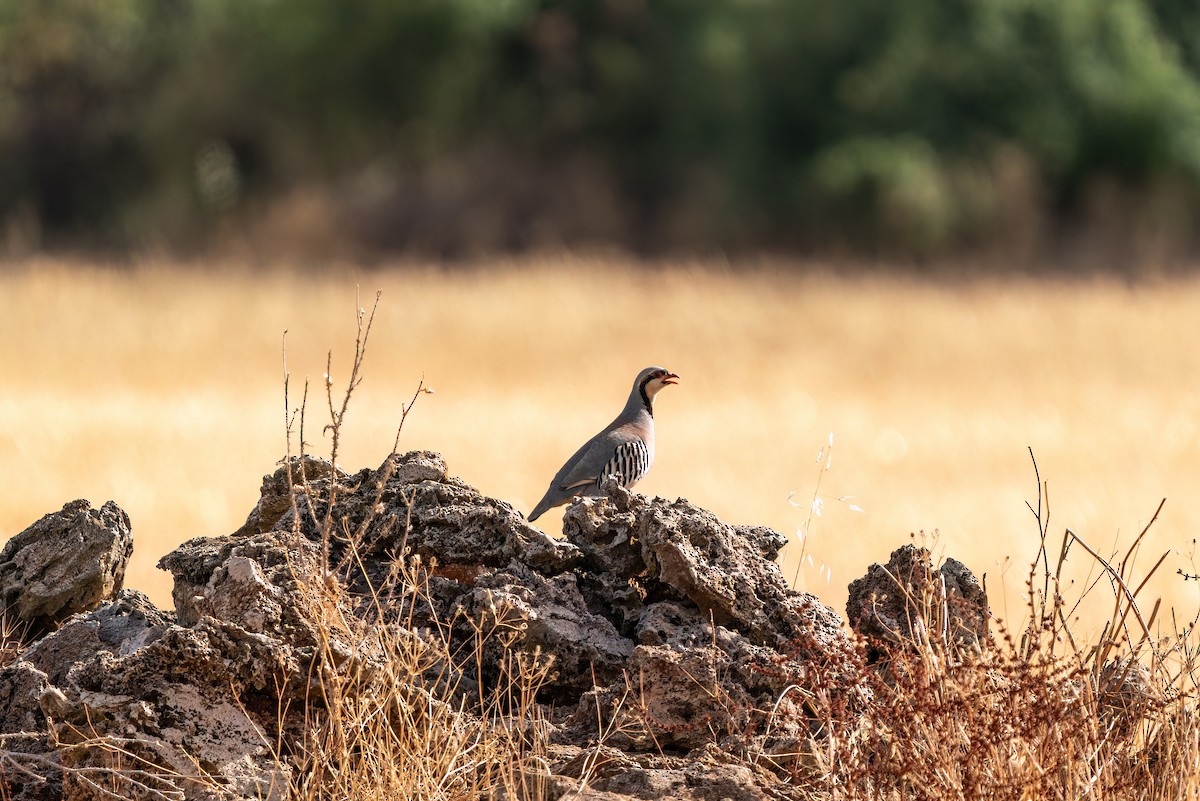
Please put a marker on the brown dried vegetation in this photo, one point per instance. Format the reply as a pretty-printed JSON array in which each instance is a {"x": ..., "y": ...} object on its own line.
[{"x": 929, "y": 710}]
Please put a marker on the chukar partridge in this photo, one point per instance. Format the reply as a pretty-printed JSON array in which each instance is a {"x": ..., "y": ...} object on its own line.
[{"x": 624, "y": 449}]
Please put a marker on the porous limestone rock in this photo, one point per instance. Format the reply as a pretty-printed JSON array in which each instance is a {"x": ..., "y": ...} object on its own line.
[
  {"x": 679, "y": 550},
  {"x": 32, "y": 764},
  {"x": 69, "y": 561},
  {"x": 180, "y": 703},
  {"x": 908, "y": 600}
]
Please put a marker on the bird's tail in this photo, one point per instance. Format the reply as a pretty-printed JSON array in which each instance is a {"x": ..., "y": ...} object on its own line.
[{"x": 541, "y": 507}]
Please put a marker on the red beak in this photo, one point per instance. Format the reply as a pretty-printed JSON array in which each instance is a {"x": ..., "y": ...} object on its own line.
[{"x": 670, "y": 378}]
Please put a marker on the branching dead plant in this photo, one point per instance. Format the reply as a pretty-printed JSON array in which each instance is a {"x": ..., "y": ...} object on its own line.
[{"x": 1039, "y": 712}]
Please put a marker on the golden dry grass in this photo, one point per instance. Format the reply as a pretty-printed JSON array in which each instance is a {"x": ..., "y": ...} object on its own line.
[{"x": 160, "y": 387}]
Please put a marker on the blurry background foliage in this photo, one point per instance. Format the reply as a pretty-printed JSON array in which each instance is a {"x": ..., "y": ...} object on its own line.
[{"x": 448, "y": 127}]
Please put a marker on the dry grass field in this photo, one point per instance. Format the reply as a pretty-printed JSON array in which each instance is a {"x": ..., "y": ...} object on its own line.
[{"x": 161, "y": 386}]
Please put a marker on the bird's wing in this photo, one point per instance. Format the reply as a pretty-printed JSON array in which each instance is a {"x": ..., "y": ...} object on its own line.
[
  {"x": 629, "y": 463},
  {"x": 586, "y": 465}
]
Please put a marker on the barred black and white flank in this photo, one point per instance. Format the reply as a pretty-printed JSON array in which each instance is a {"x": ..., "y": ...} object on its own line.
[
  {"x": 628, "y": 464},
  {"x": 624, "y": 450}
]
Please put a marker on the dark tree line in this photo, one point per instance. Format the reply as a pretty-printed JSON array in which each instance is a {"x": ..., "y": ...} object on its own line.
[{"x": 912, "y": 127}]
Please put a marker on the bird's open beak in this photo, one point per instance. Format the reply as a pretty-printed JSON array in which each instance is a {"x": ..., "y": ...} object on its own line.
[{"x": 670, "y": 378}]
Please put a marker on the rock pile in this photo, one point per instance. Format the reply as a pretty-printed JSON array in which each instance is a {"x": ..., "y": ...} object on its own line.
[{"x": 669, "y": 629}]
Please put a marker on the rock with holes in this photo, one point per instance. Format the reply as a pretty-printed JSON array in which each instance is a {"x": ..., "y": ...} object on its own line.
[
  {"x": 248, "y": 580},
  {"x": 178, "y": 706},
  {"x": 192, "y": 701},
  {"x": 719, "y": 635},
  {"x": 909, "y": 600},
  {"x": 646, "y": 596},
  {"x": 691, "y": 684},
  {"x": 679, "y": 550},
  {"x": 68, "y": 562},
  {"x": 276, "y": 493},
  {"x": 31, "y": 764},
  {"x": 547, "y": 615},
  {"x": 193, "y": 707},
  {"x": 122, "y": 626},
  {"x": 408, "y": 505}
]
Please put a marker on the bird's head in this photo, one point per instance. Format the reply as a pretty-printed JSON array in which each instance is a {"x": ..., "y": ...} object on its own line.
[{"x": 652, "y": 379}]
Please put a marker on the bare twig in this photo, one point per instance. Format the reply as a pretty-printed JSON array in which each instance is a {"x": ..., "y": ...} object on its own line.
[{"x": 338, "y": 415}]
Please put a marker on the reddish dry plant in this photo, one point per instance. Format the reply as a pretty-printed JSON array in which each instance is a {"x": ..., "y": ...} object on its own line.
[
  {"x": 999, "y": 724},
  {"x": 1039, "y": 714}
]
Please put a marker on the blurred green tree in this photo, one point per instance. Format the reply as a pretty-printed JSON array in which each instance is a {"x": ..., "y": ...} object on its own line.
[{"x": 881, "y": 127}]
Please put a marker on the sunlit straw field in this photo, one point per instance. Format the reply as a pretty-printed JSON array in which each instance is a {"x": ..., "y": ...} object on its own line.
[{"x": 161, "y": 387}]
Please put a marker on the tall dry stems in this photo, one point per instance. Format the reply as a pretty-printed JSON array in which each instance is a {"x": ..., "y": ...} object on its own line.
[{"x": 399, "y": 720}]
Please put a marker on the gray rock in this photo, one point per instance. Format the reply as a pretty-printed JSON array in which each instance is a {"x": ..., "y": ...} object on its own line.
[
  {"x": 34, "y": 765},
  {"x": 21, "y": 684},
  {"x": 551, "y": 616},
  {"x": 30, "y": 765},
  {"x": 174, "y": 699},
  {"x": 712, "y": 686},
  {"x": 668, "y": 622},
  {"x": 407, "y": 505},
  {"x": 176, "y": 706},
  {"x": 682, "y": 551},
  {"x": 437, "y": 517},
  {"x": 126, "y": 624},
  {"x": 707, "y": 775},
  {"x": 720, "y": 636},
  {"x": 275, "y": 495},
  {"x": 662, "y": 592},
  {"x": 908, "y": 601},
  {"x": 67, "y": 562},
  {"x": 250, "y": 581}
]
